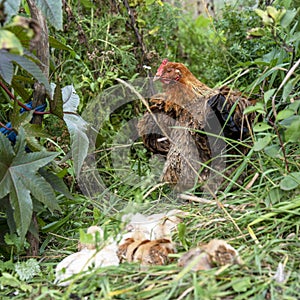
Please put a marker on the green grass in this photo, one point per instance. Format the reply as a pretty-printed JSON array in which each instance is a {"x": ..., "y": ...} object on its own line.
[{"x": 270, "y": 235}]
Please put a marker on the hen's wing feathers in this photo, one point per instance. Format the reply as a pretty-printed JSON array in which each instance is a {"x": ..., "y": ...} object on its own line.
[
  {"x": 155, "y": 126},
  {"x": 181, "y": 118}
]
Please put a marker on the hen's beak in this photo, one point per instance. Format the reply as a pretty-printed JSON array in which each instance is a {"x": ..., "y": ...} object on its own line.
[{"x": 156, "y": 77}]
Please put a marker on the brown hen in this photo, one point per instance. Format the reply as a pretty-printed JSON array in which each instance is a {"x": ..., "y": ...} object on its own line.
[{"x": 188, "y": 122}]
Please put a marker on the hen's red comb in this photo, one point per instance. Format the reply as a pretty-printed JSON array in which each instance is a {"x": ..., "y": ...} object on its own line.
[{"x": 160, "y": 69}]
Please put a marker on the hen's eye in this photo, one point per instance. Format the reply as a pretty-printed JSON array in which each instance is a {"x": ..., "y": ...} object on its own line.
[{"x": 169, "y": 70}]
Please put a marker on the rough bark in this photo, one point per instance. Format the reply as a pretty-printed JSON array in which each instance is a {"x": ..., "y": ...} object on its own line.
[{"x": 41, "y": 49}]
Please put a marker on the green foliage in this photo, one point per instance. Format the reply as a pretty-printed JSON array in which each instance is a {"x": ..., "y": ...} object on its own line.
[
  {"x": 6, "y": 70},
  {"x": 20, "y": 179},
  {"x": 28, "y": 269},
  {"x": 77, "y": 127},
  {"x": 52, "y": 9},
  {"x": 257, "y": 51}
]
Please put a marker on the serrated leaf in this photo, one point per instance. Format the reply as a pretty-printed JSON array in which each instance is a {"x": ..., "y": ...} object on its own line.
[
  {"x": 32, "y": 69},
  {"x": 10, "y": 42},
  {"x": 21, "y": 178},
  {"x": 33, "y": 144},
  {"x": 26, "y": 270},
  {"x": 6, "y": 67},
  {"x": 290, "y": 182},
  {"x": 52, "y": 9},
  {"x": 20, "y": 201},
  {"x": 42, "y": 191},
  {"x": 11, "y": 8},
  {"x": 260, "y": 127},
  {"x": 34, "y": 130},
  {"x": 6, "y": 150},
  {"x": 56, "y": 182},
  {"x": 18, "y": 120},
  {"x": 28, "y": 65},
  {"x": 18, "y": 84},
  {"x": 261, "y": 143}
]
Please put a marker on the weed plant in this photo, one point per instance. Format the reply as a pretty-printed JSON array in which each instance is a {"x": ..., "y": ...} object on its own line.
[{"x": 259, "y": 218}]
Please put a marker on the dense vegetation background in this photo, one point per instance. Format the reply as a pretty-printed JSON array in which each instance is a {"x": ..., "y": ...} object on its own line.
[{"x": 253, "y": 47}]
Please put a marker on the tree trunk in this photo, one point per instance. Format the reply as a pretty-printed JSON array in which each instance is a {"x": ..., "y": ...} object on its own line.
[{"x": 41, "y": 50}]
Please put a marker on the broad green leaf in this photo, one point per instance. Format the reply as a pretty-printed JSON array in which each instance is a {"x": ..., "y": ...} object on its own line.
[
  {"x": 288, "y": 18},
  {"x": 77, "y": 127},
  {"x": 7, "y": 154},
  {"x": 70, "y": 98},
  {"x": 52, "y": 9},
  {"x": 6, "y": 67},
  {"x": 288, "y": 87},
  {"x": 32, "y": 131},
  {"x": 31, "y": 162},
  {"x": 261, "y": 143},
  {"x": 56, "y": 182},
  {"x": 28, "y": 65},
  {"x": 18, "y": 84},
  {"x": 292, "y": 133},
  {"x": 20, "y": 178},
  {"x": 33, "y": 144},
  {"x": 9, "y": 41},
  {"x": 268, "y": 94},
  {"x": 11, "y": 8},
  {"x": 273, "y": 151},
  {"x": 6, "y": 150},
  {"x": 42, "y": 191},
  {"x": 265, "y": 17},
  {"x": 274, "y": 195},
  {"x": 18, "y": 120},
  {"x": 284, "y": 114},
  {"x": 258, "y": 107},
  {"x": 241, "y": 284},
  {"x": 21, "y": 202},
  {"x": 294, "y": 37},
  {"x": 32, "y": 68},
  {"x": 275, "y": 14},
  {"x": 288, "y": 121},
  {"x": 260, "y": 127},
  {"x": 290, "y": 182}
]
